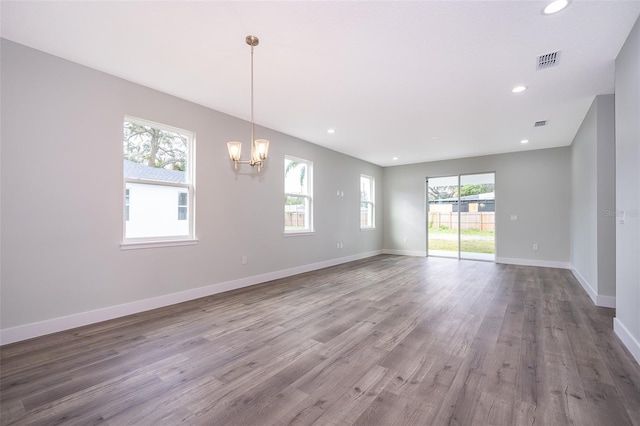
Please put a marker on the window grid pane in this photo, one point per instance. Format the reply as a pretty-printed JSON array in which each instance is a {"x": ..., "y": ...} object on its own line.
[
  {"x": 156, "y": 175},
  {"x": 298, "y": 199},
  {"x": 367, "y": 205},
  {"x": 296, "y": 177}
]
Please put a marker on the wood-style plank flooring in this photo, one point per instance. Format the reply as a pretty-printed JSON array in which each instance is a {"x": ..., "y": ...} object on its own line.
[{"x": 387, "y": 340}]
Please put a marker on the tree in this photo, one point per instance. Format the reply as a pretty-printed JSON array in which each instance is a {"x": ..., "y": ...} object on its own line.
[
  {"x": 155, "y": 147},
  {"x": 292, "y": 165},
  {"x": 442, "y": 192},
  {"x": 476, "y": 189}
]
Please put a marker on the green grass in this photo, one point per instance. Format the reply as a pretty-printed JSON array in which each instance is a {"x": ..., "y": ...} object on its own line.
[
  {"x": 470, "y": 246},
  {"x": 445, "y": 230},
  {"x": 473, "y": 246}
]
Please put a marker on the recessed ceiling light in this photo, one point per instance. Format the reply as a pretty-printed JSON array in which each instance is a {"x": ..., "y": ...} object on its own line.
[
  {"x": 394, "y": 158},
  {"x": 331, "y": 131},
  {"x": 523, "y": 141},
  {"x": 555, "y": 6},
  {"x": 519, "y": 89}
]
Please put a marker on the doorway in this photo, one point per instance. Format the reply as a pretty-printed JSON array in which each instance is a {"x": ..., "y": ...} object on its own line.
[{"x": 461, "y": 216}]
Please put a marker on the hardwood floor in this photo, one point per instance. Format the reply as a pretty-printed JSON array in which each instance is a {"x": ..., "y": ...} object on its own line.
[{"x": 387, "y": 340}]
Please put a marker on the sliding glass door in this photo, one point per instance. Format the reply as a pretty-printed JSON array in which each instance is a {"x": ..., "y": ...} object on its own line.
[
  {"x": 477, "y": 216},
  {"x": 442, "y": 220},
  {"x": 461, "y": 216}
]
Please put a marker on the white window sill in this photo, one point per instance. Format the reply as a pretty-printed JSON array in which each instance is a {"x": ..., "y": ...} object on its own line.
[
  {"x": 371, "y": 228},
  {"x": 298, "y": 233},
  {"x": 156, "y": 244}
]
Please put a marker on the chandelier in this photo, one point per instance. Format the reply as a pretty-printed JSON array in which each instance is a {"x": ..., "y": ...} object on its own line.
[{"x": 259, "y": 147}]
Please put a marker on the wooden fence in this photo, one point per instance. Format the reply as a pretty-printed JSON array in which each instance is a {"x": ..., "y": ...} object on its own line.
[
  {"x": 294, "y": 219},
  {"x": 297, "y": 218},
  {"x": 483, "y": 221}
]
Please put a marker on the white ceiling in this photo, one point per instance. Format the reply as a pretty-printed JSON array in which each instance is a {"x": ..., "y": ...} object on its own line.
[{"x": 417, "y": 80}]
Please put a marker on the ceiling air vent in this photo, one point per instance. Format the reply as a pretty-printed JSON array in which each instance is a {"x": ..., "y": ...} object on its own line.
[
  {"x": 548, "y": 60},
  {"x": 540, "y": 123}
]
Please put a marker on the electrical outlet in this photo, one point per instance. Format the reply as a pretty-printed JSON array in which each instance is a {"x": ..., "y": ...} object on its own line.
[
  {"x": 535, "y": 246},
  {"x": 244, "y": 260}
]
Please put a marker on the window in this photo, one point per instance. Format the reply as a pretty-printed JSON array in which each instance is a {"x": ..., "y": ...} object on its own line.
[
  {"x": 298, "y": 206},
  {"x": 367, "y": 202},
  {"x": 158, "y": 170}
]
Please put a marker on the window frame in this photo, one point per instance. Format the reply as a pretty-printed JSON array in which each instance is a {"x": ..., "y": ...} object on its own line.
[
  {"x": 371, "y": 204},
  {"x": 183, "y": 207},
  {"x": 127, "y": 196},
  {"x": 188, "y": 186},
  {"x": 308, "y": 196}
]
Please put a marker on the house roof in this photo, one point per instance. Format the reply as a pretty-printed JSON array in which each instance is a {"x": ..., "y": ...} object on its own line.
[
  {"x": 486, "y": 196},
  {"x": 135, "y": 170}
]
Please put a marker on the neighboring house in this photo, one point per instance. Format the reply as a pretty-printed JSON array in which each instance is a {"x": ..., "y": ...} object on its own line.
[
  {"x": 468, "y": 203},
  {"x": 154, "y": 209}
]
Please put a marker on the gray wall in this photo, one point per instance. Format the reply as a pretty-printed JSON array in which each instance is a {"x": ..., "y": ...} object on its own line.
[
  {"x": 593, "y": 202},
  {"x": 62, "y": 198},
  {"x": 534, "y": 185},
  {"x": 627, "y": 88}
]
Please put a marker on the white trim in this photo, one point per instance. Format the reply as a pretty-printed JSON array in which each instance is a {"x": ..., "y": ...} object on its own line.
[
  {"x": 597, "y": 299},
  {"x": 417, "y": 253},
  {"x": 155, "y": 244},
  {"x": 533, "y": 262},
  {"x": 298, "y": 233},
  {"x": 606, "y": 301},
  {"x": 158, "y": 182},
  {"x": 161, "y": 126},
  {"x": 627, "y": 338},
  {"x": 28, "y": 331},
  {"x": 585, "y": 284}
]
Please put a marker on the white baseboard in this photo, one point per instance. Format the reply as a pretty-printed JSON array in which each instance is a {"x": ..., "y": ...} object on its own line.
[
  {"x": 41, "y": 328},
  {"x": 606, "y": 301},
  {"x": 598, "y": 299},
  {"x": 627, "y": 338},
  {"x": 415, "y": 253},
  {"x": 533, "y": 262},
  {"x": 585, "y": 285},
  {"x": 506, "y": 260}
]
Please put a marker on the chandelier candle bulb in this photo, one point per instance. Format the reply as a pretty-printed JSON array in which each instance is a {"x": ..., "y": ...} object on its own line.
[
  {"x": 235, "y": 148},
  {"x": 262, "y": 148}
]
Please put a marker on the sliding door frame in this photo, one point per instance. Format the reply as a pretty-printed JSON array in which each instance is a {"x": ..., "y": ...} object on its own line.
[
  {"x": 427, "y": 204},
  {"x": 428, "y": 209}
]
